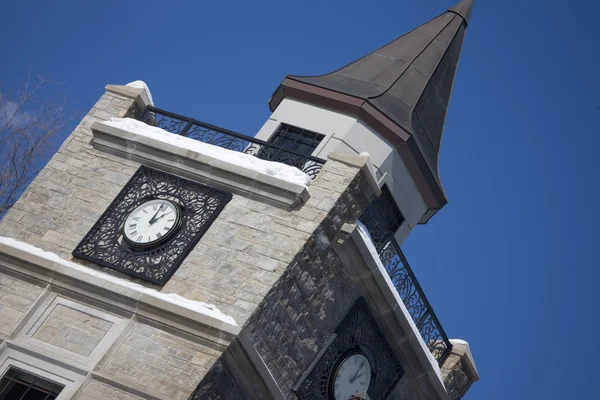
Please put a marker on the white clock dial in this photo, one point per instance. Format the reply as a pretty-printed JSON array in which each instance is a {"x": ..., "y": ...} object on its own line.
[
  {"x": 151, "y": 223},
  {"x": 352, "y": 376}
]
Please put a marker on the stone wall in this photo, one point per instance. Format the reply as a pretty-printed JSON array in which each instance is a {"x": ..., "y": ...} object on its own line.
[
  {"x": 236, "y": 262},
  {"x": 313, "y": 295},
  {"x": 250, "y": 245},
  {"x": 111, "y": 353},
  {"x": 16, "y": 298},
  {"x": 459, "y": 371},
  {"x": 160, "y": 362},
  {"x": 73, "y": 189},
  {"x": 95, "y": 390}
]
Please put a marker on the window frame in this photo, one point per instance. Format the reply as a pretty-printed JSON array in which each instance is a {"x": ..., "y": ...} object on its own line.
[
  {"x": 387, "y": 197},
  {"x": 24, "y": 359},
  {"x": 284, "y": 128},
  {"x": 54, "y": 388}
]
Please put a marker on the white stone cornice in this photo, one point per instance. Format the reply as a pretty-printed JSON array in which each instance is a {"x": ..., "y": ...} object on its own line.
[
  {"x": 199, "y": 167},
  {"x": 130, "y": 298}
]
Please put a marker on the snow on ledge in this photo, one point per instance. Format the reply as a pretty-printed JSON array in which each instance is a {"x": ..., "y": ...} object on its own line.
[
  {"x": 142, "y": 85},
  {"x": 197, "y": 306},
  {"x": 270, "y": 168},
  {"x": 364, "y": 233}
]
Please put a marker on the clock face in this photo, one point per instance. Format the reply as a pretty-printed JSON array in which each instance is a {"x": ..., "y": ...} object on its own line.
[
  {"x": 351, "y": 377},
  {"x": 151, "y": 223}
]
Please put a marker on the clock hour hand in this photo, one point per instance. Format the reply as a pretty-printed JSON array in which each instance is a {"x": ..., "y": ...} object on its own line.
[{"x": 357, "y": 376}]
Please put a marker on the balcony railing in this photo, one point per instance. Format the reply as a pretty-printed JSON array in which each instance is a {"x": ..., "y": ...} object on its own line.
[
  {"x": 406, "y": 283},
  {"x": 374, "y": 219},
  {"x": 230, "y": 140}
]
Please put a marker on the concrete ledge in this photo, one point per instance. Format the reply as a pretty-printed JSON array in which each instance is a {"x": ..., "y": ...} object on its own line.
[
  {"x": 462, "y": 349},
  {"x": 199, "y": 167},
  {"x": 138, "y": 94},
  {"x": 61, "y": 277},
  {"x": 383, "y": 297}
]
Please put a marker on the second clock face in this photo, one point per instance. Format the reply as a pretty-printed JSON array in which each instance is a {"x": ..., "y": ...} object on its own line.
[
  {"x": 151, "y": 223},
  {"x": 352, "y": 376}
]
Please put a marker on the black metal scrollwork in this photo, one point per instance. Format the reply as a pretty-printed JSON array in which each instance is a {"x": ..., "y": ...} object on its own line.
[
  {"x": 230, "y": 140},
  {"x": 406, "y": 283},
  {"x": 104, "y": 245}
]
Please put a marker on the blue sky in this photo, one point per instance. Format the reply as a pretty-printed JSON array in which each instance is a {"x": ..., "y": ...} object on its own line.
[{"x": 510, "y": 263}]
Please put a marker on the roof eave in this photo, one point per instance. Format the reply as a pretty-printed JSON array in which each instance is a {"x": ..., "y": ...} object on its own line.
[{"x": 431, "y": 191}]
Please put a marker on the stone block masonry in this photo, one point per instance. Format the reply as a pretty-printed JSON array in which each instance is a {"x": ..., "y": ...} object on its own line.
[
  {"x": 251, "y": 244},
  {"x": 256, "y": 259},
  {"x": 237, "y": 261},
  {"x": 96, "y": 390},
  {"x": 102, "y": 348},
  {"x": 73, "y": 189},
  {"x": 16, "y": 298},
  {"x": 161, "y": 362},
  {"x": 72, "y": 330},
  {"x": 312, "y": 296}
]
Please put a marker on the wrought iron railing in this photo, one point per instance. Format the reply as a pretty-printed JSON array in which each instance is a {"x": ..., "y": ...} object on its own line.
[
  {"x": 405, "y": 282},
  {"x": 230, "y": 140}
]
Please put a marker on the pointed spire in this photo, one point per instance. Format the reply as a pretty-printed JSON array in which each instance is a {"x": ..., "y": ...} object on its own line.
[
  {"x": 401, "y": 90},
  {"x": 463, "y": 8}
]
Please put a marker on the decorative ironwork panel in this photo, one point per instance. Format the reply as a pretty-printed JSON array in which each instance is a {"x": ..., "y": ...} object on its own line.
[
  {"x": 226, "y": 139},
  {"x": 358, "y": 330},
  {"x": 199, "y": 206},
  {"x": 403, "y": 278}
]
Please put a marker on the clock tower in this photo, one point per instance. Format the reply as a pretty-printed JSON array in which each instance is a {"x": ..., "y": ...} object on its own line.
[{"x": 160, "y": 257}]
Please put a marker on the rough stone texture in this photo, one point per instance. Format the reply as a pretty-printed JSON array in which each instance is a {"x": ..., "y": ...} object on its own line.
[
  {"x": 455, "y": 377},
  {"x": 236, "y": 262},
  {"x": 161, "y": 362},
  {"x": 100, "y": 391},
  {"x": 313, "y": 295},
  {"x": 73, "y": 189},
  {"x": 219, "y": 384},
  {"x": 16, "y": 297},
  {"x": 249, "y": 246},
  {"x": 403, "y": 391},
  {"x": 72, "y": 330}
]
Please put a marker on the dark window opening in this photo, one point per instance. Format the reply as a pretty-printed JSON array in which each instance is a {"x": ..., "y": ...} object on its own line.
[
  {"x": 390, "y": 209},
  {"x": 20, "y": 385},
  {"x": 296, "y": 139}
]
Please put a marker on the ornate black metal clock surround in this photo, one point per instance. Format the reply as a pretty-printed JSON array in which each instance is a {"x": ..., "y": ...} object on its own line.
[
  {"x": 358, "y": 332},
  {"x": 199, "y": 206}
]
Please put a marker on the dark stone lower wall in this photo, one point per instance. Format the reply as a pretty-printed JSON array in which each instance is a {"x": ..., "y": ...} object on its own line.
[{"x": 219, "y": 384}]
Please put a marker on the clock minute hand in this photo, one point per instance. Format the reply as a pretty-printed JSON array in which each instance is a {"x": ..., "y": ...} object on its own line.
[
  {"x": 153, "y": 219},
  {"x": 357, "y": 371}
]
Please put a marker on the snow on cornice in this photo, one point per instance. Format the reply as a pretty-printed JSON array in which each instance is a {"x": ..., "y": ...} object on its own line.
[
  {"x": 142, "y": 85},
  {"x": 247, "y": 161},
  {"x": 197, "y": 306}
]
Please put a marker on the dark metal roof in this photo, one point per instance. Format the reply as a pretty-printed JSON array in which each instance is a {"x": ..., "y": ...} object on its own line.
[{"x": 402, "y": 88}]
